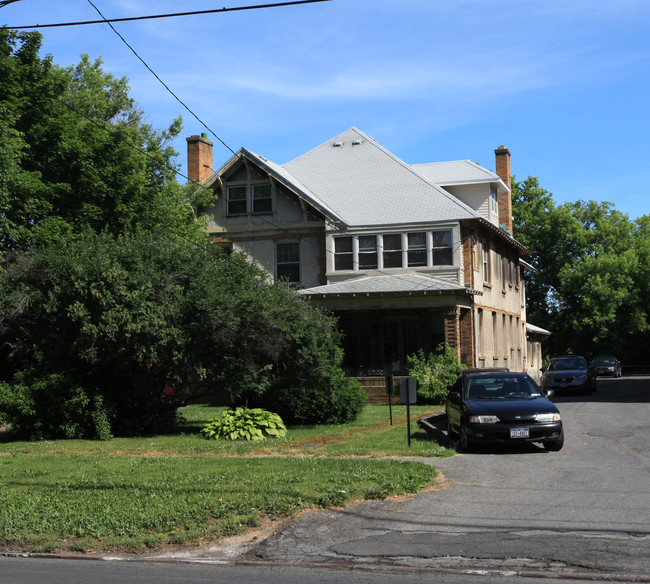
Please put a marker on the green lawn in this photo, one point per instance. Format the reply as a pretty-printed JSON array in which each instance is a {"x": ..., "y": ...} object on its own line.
[{"x": 132, "y": 494}]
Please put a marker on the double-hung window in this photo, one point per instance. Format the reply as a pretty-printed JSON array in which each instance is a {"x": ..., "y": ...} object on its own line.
[
  {"x": 485, "y": 252},
  {"x": 236, "y": 200},
  {"x": 367, "y": 252},
  {"x": 417, "y": 250},
  {"x": 343, "y": 253},
  {"x": 262, "y": 199},
  {"x": 442, "y": 252},
  {"x": 287, "y": 262},
  {"x": 392, "y": 250}
]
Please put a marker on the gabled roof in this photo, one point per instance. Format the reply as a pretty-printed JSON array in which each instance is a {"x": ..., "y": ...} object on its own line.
[
  {"x": 280, "y": 174},
  {"x": 387, "y": 284},
  {"x": 458, "y": 172},
  {"x": 366, "y": 185}
]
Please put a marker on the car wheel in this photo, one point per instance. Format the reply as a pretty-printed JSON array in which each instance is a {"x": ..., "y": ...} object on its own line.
[
  {"x": 555, "y": 445},
  {"x": 464, "y": 444}
]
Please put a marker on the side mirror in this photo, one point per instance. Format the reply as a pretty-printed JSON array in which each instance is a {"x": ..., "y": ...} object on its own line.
[
  {"x": 549, "y": 393},
  {"x": 454, "y": 396},
  {"x": 543, "y": 369}
]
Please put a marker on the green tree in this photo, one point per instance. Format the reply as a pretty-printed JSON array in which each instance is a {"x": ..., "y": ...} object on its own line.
[
  {"x": 587, "y": 258},
  {"x": 109, "y": 334},
  {"x": 75, "y": 153}
]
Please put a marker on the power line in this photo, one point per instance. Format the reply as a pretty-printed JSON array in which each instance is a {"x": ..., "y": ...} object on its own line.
[
  {"x": 178, "y": 99},
  {"x": 253, "y": 7}
]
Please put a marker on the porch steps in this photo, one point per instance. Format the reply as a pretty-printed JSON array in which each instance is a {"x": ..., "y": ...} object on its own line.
[{"x": 375, "y": 387}]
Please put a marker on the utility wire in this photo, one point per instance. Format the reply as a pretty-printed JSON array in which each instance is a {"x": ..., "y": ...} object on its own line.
[
  {"x": 254, "y": 7},
  {"x": 160, "y": 80}
]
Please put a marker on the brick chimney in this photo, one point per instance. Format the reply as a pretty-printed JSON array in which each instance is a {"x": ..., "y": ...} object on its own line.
[
  {"x": 199, "y": 158},
  {"x": 502, "y": 155}
]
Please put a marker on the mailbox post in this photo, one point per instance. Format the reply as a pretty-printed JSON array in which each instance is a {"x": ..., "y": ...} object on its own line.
[{"x": 408, "y": 396}]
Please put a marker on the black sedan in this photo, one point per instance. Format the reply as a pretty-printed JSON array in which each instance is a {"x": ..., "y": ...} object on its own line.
[{"x": 502, "y": 407}]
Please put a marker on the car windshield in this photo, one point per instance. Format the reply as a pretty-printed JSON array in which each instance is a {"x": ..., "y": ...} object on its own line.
[
  {"x": 502, "y": 387},
  {"x": 566, "y": 364},
  {"x": 605, "y": 361}
]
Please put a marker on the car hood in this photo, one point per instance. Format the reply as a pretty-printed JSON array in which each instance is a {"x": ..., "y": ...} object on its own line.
[
  {"x": 536, "y": 405},
  {"x": 567, "y": 373}
]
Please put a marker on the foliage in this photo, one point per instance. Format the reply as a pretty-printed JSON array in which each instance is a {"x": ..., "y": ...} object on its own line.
[
  {"x": 334, "y": 399},
  {"x": 434, "y": 372},
  {"x": 590, "y": 283},
  {"x": 139, "y": 320},
  {"x": 53, "y": 406},
  {"x": 75, "y": 153},
  {"x": 245, "y": 423}
]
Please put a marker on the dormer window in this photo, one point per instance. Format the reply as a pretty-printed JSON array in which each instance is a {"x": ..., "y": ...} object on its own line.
[
  {"x": 262, "y": 199},
  {"x": 236, "y": 200}
]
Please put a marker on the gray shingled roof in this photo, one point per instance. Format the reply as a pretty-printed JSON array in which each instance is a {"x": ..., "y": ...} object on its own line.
[
  {"x": 403, "y": 283},
  {"x": 365, "y": 184},
  {"x": 458, "y": 172}
]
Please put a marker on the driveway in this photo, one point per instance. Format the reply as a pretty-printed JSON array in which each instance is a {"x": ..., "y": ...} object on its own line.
[{"x": 581, "y": 512}]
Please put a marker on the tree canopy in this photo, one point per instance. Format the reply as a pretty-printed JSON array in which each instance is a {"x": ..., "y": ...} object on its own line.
[
  {"x": 591, "y": 280},
  {"x": 75, "y": 153},
  {"x": 114, "y": 308}
]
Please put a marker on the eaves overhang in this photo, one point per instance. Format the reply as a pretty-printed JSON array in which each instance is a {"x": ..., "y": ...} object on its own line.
[
  {"x": 388, "y": 285},
  {"x": 504, "y": 235}
]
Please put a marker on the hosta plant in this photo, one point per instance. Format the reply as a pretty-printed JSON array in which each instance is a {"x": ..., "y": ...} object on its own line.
[{"x": 245, "y": 424}]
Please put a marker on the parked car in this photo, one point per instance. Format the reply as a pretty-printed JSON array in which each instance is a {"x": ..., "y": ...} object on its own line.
[
  {"x": 473, "y": 371},
  {"x": 502, "y": 407},
  {"x": 569, "y": 373},
  {"x": 607, "y": 365}
]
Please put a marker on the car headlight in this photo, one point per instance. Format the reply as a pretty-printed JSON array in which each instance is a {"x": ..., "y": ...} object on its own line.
[
  {"x": 552, "y": 417},
  {"x": 484, "y": 420}
]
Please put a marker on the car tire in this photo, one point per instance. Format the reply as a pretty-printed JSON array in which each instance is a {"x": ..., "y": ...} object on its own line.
[
  {"x": 464, "y": 443},
  {"x": 555, "y": 445}
]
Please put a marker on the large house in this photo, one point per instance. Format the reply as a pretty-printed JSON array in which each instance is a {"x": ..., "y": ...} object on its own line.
[{"x": 406, "y": 255}]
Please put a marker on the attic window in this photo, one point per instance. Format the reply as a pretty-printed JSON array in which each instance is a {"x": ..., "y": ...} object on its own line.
[
  {"x": 337, "y": 144},
  {"x": 356, "y": 142}
]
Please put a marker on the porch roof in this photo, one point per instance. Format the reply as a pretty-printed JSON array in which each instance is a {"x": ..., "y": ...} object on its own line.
[{"x": 388, "y": 284}]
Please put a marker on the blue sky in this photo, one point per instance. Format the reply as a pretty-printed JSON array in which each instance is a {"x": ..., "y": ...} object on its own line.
[{"x": 564, "y": 85}]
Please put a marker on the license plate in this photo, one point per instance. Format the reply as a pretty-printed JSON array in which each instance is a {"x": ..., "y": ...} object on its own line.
[{"x": 519, "y": 433}]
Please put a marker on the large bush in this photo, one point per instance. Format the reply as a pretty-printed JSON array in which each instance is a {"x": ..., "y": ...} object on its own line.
[
  {"x": 434, "y": 372},
  {"x": 122, "y": 328}
]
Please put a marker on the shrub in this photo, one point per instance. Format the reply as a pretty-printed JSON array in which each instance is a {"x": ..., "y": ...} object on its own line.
[
  {"x": 50, "y": 406},
  {"x": 337, "y": 402},
  {"x": 245, "y": 423},
  {"x": 434, "y": 372}
]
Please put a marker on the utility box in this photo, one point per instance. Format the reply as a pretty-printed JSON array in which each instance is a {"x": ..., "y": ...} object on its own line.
[{"x": 408, "y": 390}]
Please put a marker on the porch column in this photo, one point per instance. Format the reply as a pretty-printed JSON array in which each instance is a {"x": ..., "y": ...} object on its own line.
[
  {"x": 452, "y": 329},
  {"x": 467, "y": 352}
]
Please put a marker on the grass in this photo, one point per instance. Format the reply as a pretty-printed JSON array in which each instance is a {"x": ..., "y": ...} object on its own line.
[{"x": 140, "y": 493}]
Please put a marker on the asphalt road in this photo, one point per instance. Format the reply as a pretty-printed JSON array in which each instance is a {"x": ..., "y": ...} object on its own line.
[
  {"x": 579, "y": 514},
  {"x": 582, "y": 512}
]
